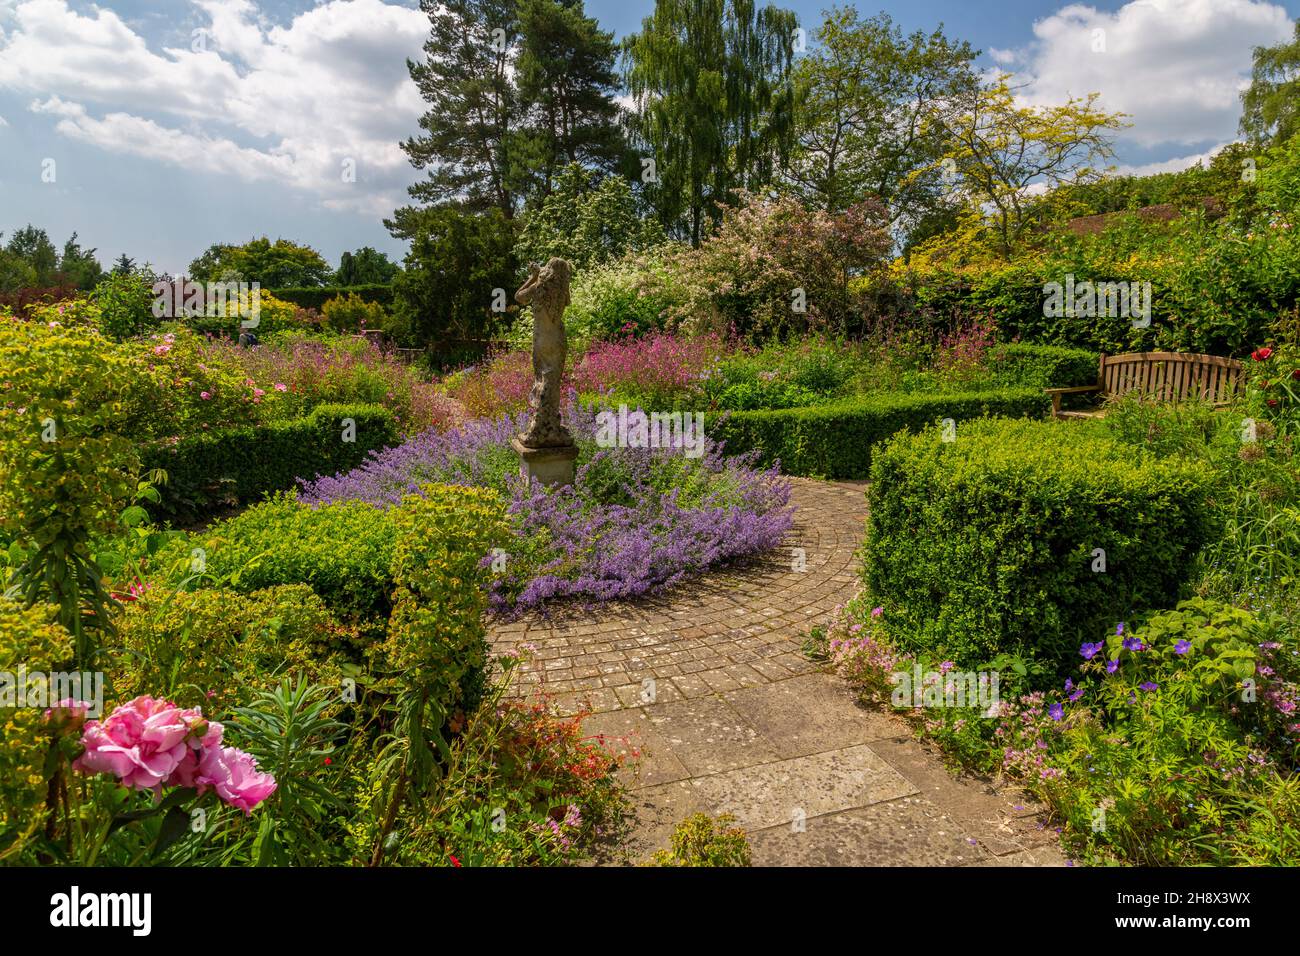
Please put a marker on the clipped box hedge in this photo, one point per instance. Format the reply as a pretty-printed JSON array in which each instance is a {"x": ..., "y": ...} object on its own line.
[
  {"x": 987, "y": 543},
  {"x": 834, "y": 441},
  {"x": 237, "y": 465},
  {"x": 343, "y": 551},
  {"x": 1043, "y": 366},
  {"x": 314, "y": 297}
]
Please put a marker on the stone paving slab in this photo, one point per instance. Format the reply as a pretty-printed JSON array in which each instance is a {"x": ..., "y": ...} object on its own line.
[
  {"x": 909, "y": 831},
  {"x": 778, "y": 794},
  {"x": 709, "y": 685}
]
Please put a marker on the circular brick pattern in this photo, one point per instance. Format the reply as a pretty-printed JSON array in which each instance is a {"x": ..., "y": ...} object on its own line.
[{"x": 725, "y": 630}]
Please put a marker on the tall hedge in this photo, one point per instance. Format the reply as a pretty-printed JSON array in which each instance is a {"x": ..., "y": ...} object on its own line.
[
  {"x": 834, "y": 441},
  {"x": 237, "y": 465},
  {"x": 313, "y": 297},
  {"x": 989, "y": 543}
]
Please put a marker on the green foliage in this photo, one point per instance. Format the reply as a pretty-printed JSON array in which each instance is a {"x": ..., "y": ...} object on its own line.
[
  {"x": 702, "y": 840},
  {"x": 455, "y": 264},
  {"x": 1269, "y": 107},
  {"x": 522, "y": 786},
  {"x": 273, "y": 264},
  {"x": 29, "y": 639},
  {"x": 835, "y": 440},
  {"x": 436, "y": 639},
  {"x": 242, "y": 463},
  {"x": 343, "y": 551},
  {"x": 725, "y": 129},
  {"x": 1178, "y": 746},
  {"x": 125, "y": 300},
  {"x": 215, "y": 648},
  {"x": 292, "y": 732},
  {"x": 315, "y": 297},
  {"x": 989, "y": 543},
  {"x": 365, "y": 267},
  {"x": 634, "y": 294},
  {"x": 67, "y": 464},
  {"x": 864, "y": 89},
  {"x": 1215, "y": 289},
  {"x": 352, "y": 313},
  {"x": 502, "y": 118},
  {"x": 586, "y": 221},
  {"x": 1043, "y": 366}
]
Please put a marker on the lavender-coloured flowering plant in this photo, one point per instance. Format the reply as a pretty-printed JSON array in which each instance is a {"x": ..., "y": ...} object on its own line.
[{"x": 633, "y": 521}]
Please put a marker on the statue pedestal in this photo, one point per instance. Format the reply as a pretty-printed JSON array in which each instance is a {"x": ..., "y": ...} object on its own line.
[{"x": 550, "y": 466}]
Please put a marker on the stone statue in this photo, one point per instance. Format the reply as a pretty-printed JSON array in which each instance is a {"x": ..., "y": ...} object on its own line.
[
  {"x": 547, "y": 291},
  {"x": 545, "y": 446}
]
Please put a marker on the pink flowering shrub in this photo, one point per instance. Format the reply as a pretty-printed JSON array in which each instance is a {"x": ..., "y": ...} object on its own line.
[
  {"x": 660, "y": 371},
  {"x": 498, "y": 386},
  {"x": 149, "y": 744}
]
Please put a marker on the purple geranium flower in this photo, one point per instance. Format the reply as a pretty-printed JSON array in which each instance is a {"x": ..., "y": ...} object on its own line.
[
  {"x": 1148, "y": 686},
  {"x": 1112, "y": 666},
  {"x": 1056, "y": 711},
  {"x": 1182, "y": 647},
  {"x": 1089, "y": 651}
]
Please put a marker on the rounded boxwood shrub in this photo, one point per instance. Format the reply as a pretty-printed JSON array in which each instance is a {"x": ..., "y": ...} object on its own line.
[
  {"x": 343, "y": 551},
  {"x": 993, "y": 542}
]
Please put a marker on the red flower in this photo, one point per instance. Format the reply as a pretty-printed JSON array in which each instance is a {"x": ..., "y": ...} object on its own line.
[
  {"x": 1272, "y": 403},
  {"x": 1295, "y": 373},
  {"x": 1261, "y": 355},
  {"x": 454, "y": 861}
]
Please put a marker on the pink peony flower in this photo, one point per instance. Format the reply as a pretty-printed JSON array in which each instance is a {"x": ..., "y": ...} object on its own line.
[
  {"x": 141, "y": 743},
  {"x": 235, "y": 777}
]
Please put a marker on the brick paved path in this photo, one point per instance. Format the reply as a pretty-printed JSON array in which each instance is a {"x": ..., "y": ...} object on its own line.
[{"x": 709, "y": 682}]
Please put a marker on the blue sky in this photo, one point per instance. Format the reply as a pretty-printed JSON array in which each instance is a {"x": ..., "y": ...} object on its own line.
[{"x": 281, "y": 117}]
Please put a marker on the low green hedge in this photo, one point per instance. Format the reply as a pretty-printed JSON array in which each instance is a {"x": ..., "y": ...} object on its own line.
[
  {"x": 232, "y": 466},
  {"x": 313, "y": 297},
  {"x": 344, "y": 552},
  {"x": 1043, "y": 366},
  {"x": 834, "y": 440},
  {"x": 986, "y": 544}
]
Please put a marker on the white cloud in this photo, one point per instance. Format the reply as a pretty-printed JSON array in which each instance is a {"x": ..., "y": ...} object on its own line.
[
  {"x": 3, "y": 122},
  {"x": 1177, "y": 67},
  {"x": 250, "y": 99},
  {"x": 1174, "y": 165}
]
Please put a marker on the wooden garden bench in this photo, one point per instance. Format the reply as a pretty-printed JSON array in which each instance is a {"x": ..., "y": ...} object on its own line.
[{"x": 1164, "y": 376}]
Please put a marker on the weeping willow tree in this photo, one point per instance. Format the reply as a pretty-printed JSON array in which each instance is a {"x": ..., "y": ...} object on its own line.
[
  {"x": 711, "y": 81},
  {"x": 1271, "y": 104}
]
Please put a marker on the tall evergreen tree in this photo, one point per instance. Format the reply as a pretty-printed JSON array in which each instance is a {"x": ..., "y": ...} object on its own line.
[
  {"x": 516, "y": 89},
  {"x": 711, "y": 79},
  {"x": 566, "y": 84}
]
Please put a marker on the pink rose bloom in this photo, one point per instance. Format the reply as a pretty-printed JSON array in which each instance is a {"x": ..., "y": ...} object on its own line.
[
  {"x": 281, "y": 387},
  {"x": 205, "y": 395},
  {"x": 143, "y": 742},
  {"x": 235, "y": 777}
]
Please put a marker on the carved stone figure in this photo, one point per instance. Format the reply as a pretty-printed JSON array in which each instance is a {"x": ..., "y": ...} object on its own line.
[{"x": 547, "y": 291}]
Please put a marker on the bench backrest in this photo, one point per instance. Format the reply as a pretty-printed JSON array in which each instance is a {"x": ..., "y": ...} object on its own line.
[{"x": 1171, "y": 376}]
